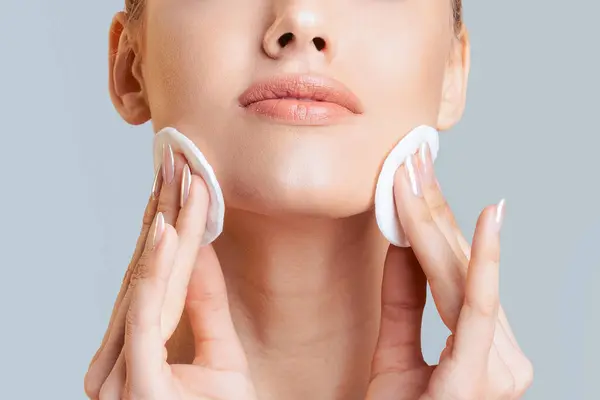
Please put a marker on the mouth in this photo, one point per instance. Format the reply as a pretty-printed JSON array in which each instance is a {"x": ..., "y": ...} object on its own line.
[{"x": 301, "y": 100}]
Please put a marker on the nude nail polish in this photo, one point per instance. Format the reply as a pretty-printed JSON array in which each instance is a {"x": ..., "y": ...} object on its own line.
[
  {"x": 499, "y": 217},
  {"x": 186, "y": 183},
  {"x": 413, "y": 176},
  {"x": 168, "y": 164},
  {"x": 425, "y": 164},
  {"x": 159, "y": 228},
  {"x": 157, "y": 183}
]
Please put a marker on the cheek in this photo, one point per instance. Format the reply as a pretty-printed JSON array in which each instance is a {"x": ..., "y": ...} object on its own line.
[
  {"x": 405, "y": 76},
  {"x": 196, "y": 68},
  {"x": 196, "y": 65},
  {"x": 401, "y": 73}
]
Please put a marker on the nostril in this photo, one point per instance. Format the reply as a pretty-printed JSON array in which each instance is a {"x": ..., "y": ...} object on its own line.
[
  {"x": 285, "y": 39},
  {"x": 319, "y": 43}
]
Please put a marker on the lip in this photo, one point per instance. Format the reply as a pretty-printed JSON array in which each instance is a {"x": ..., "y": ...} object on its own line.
[{"x": 301, "y": 100}]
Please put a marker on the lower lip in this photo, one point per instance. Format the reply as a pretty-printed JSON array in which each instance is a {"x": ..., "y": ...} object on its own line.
[{"x": 299, "y": 112}]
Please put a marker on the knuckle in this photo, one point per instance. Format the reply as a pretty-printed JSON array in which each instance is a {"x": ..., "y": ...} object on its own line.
[
  {"x": 505, "y": 389},
  {"x": 218, "y": 301},
  {"x": 486, "y": 305},
  {"x": 91, "y": 384},
  {"x": 128, "y": 273},
  {"x": 148, "y": 218},
  {"x": 131, "y": 321},
  {"x": 524, "y": 375},
  {"x": 398, "y": 310},
  {"x": 450, "y": 342},
  {"x": 458, "y": 391},
  {"x": 141, "y": 270},
  {"x": 137, "y": 321},
  {"x": 425, "y": 215},
  {"x": 211, "y": 300},
  {"x": 438, "y": 206}
]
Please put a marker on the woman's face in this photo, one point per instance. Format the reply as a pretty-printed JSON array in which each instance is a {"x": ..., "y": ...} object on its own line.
[{"x": 298, "y": 156}]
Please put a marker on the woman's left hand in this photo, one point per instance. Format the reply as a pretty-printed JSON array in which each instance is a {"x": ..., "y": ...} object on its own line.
[{"x": 482, "y": 359}]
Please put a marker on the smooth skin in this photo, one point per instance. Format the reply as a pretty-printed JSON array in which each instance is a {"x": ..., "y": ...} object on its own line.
[
  {"x": 298, "y": 281},
  {"x": 481, "y": 361}
]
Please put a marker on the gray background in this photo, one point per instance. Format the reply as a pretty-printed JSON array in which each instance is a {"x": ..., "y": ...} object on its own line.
[{"x": 72, "y": 203}]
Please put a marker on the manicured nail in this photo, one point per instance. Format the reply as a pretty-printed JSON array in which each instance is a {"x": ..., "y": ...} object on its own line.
[
  {"x": 500, "y": 213},
  {"x": 159, "y": 228},
  {"x": 413, "y": 176},
  {"x": 157, "y": 183},
  {"x": 168, "y": 164},
  {"x": 425, "y": 164},
  {"x": 186, "y": 183}
]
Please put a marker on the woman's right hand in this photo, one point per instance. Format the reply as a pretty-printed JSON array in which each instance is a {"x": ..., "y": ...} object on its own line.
[{"x": 169, "y": 270}]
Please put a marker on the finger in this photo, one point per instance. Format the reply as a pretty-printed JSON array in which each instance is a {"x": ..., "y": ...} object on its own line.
[
  {"x": 215, "y": 339},
  {"x": 112, "y": 389},
  {"x": 112, "y": 342},
  {"x": 403, "y": 299},
  {"x": 447, "y": 349},
  {"x": 172, "y": 166},
  {"x": 101, "y": 368},
  {"x": 144, "y": 343},
  {"x": 191, "y": 223},
  {"x": 435, "y": 255},
  {"x": 440, "y": 210},
  {"x": 478, "y": 317},
  {"x": 165, "y": 198},
  {"x": 446, "y": 221}
]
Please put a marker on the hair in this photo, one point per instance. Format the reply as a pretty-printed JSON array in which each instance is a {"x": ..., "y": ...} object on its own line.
[
  {"x": 135, "y": 8},
  {"x": 458, "y": 17}
]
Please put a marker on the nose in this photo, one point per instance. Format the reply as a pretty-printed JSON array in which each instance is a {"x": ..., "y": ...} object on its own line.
[{"x": 299, "y": 27}]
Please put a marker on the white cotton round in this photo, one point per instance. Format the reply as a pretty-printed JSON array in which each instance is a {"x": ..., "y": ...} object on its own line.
[
  {"x": 385, "y": 205},
  {"x": 199, "y": 166}
]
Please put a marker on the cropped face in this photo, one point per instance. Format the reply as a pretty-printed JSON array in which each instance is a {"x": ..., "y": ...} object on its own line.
[{"x": 295, "y": 103}]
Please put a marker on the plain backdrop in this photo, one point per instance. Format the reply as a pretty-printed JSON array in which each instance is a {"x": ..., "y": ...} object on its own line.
[{"x": 75, "y": 179}]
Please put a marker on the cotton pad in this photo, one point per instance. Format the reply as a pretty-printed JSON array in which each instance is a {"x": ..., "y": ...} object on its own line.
[
  {"x": 385, "y": 205},
  {"x": 199, "y": 166}
]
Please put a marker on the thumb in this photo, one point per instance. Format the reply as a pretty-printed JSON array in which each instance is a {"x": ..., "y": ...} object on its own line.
[
  {"x": 403, "y": 299},
  {"x": 216, "y": 341}
]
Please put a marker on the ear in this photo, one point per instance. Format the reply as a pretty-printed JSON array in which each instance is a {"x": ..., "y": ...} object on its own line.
[
  {"x": 126, "y": 85},
  {"x": 455, "y": 82}
]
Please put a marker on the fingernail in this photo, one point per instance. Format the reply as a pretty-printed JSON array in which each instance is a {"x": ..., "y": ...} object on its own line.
[
  {"x": 413, "y": 177},
  {"x": 159, "y": 228},
  {"x": 186, "y": 183},
  {"x": 168, "y": 164},
  {"x": 426, "y": 164},
  {"x": 500, "y": 213},
  {"x": 156, "y": 184}
]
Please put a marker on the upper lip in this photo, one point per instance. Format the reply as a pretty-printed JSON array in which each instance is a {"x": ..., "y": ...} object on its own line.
[{"x": 304, "y": 87}]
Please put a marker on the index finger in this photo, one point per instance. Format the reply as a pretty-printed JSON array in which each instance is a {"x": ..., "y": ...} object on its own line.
[
  {"x": 144, "y": 340},
  {"x": 479, "y": 315},
  {"x": 436, "y": 256},
  {"x": 148, "y": 218},
  {"x": 190, "y": 225},
  {"x": 440, "y": 210}
]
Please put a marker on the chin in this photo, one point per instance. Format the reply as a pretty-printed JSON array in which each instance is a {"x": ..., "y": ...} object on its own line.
[
  {"x": 277, "y": 170},
  {"x": 296, "y": 193}
]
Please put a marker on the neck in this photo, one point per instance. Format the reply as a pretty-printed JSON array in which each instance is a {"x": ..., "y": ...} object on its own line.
[{"x": 305, "y": 297}]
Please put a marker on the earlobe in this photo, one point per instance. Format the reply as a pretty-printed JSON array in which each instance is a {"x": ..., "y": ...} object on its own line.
[
  {"x": 125, "y": 79},
  {"x": 454, "y": 93}
]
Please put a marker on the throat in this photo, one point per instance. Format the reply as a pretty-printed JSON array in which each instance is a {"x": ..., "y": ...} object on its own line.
[{"x": 305, "y": 300}]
